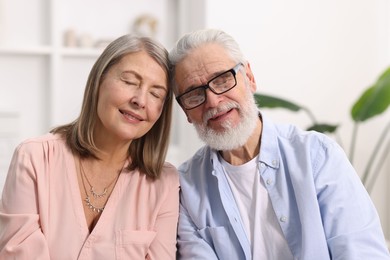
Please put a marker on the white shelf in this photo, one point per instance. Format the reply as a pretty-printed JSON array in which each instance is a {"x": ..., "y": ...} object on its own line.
[
  {"x": 25, "y": 50},
  {"x": 48, "y": 50},
  {"x": 81, "y": 52}
]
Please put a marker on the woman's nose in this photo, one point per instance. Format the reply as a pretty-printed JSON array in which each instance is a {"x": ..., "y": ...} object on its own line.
[{"x": 139, "y": 98}]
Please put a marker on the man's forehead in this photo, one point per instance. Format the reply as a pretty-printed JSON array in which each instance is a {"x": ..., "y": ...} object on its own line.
[
  {"x": 190, "y": 76},
  {"x": 201, "y": 64},
  {"x": 196, "y": 74}
]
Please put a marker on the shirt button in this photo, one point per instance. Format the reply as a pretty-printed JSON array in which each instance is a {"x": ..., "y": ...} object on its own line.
[
  {"x": 262, "y": 165},
  {"x": 283, "y": 219},
  {"x": 274, "y": 162},
  {"x": 269, "y": 181}
]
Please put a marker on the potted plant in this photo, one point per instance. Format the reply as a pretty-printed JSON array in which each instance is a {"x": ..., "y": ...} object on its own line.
[{"x": 374, "y": 101}]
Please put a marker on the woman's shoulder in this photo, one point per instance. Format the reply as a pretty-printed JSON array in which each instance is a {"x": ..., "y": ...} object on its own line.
[
  {"x": 43, "y": 143},
  {"x": 49, "y": 137},
  {"x": 169, "y": 173}
]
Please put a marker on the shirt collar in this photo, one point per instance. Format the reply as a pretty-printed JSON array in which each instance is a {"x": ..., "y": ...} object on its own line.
[{"x": 269, "y": 152}]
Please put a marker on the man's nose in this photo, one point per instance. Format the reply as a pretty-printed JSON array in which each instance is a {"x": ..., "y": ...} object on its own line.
[{"x": 212, "y": 99}]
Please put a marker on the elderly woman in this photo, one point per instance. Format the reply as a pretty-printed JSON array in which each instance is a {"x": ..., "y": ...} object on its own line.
[{"x": 99, "y": 187}]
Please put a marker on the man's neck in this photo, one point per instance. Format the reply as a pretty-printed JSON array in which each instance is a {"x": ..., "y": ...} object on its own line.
[{"x": 246, "y": 152}]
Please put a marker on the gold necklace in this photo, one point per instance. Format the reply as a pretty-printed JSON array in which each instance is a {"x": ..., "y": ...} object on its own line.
[{"x": 94, "y": 194}]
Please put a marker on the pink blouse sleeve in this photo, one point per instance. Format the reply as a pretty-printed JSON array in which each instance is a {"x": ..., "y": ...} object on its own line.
[
  {"x": 21, "y": 236},
  {"x": 164, "y": 244}
]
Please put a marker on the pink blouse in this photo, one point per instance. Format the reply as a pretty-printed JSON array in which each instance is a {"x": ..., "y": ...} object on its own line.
[{"x": 42, "y": 216}]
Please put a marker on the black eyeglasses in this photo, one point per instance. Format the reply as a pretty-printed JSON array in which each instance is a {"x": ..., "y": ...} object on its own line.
[{"x": 218, "y": 85}]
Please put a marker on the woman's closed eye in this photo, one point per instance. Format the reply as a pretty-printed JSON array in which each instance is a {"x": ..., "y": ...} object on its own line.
[
  {"x": 158, "y": 92},
  {"x": 131, "y": 83},
  {"x": 130, "y": 78}
]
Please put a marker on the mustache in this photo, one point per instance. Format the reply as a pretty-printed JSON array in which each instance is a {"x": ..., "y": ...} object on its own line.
[{"x": 220, "y": 109}]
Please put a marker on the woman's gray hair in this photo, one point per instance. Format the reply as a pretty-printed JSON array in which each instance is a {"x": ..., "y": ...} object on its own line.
[
  {"x": 149, "y": 151},
  {"x": 195, "y": 39}
]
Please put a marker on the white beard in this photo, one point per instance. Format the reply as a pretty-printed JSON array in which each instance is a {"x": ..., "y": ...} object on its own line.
[{"x": 233, "y": 136}]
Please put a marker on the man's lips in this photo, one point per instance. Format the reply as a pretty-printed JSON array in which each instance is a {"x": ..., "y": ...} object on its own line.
[{"x": 220, "y": 115}]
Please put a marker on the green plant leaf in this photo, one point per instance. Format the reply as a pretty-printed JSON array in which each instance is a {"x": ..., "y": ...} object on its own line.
[
  {"x": 275, "y": 102},
  {"x": 323, "y": 128},
  {"x": 374, "y": 101}
]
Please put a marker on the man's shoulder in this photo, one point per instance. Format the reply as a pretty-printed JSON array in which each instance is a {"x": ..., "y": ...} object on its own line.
[
  {"x": 201, "y": 158},
  {"x": 295, "y": 135}
]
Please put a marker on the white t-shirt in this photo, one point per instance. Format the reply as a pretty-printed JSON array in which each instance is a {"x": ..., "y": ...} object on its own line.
[{"x": 260, "y": 222}]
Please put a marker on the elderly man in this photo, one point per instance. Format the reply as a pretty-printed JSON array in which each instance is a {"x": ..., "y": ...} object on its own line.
[{"x": 258, "y": 190}]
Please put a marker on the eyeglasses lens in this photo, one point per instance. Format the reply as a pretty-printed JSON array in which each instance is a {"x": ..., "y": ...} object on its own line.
[
  {"x": 219, "y": 85},
  {"x": 193, "y": 98}
]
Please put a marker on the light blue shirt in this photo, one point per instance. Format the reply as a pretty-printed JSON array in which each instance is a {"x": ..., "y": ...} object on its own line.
[{"x": 323, "y": 209}]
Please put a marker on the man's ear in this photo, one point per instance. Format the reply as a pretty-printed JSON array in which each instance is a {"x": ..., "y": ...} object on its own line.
[
  {"x": 188, "y": 119},
  {"x": 250, "y": 76}
]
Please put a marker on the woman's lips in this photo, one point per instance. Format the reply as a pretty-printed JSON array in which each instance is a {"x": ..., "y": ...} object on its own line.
[{"x": 132, "y": 116}]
